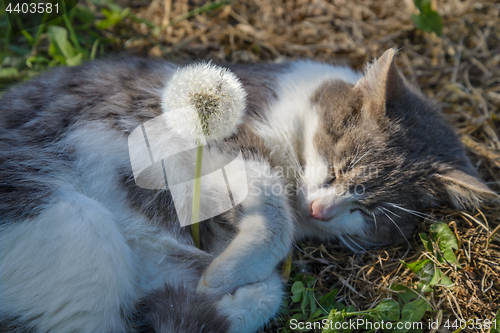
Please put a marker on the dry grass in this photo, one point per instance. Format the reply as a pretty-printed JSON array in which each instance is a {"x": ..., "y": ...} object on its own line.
[{"x": 460, "y": 70}]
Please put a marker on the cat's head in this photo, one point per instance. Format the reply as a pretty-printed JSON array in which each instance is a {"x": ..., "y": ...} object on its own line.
[{"x": 381, "y": 153}]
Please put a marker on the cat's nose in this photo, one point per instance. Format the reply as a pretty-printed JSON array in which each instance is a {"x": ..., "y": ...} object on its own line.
[{"x": 317, "y": 211}]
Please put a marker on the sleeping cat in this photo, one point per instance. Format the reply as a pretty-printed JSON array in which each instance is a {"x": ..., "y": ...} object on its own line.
[{"x": 329, "y": 154}]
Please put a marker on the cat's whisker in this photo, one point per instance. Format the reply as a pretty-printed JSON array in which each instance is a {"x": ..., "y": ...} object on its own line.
[
  {"x": 355, "y": 156},
  {"x": 417, "y": 213},
  {"x": 413, "y": 212},
  {"x": 368, "y": 242},
  {"x": 359, "y": 159},
  {"x": 390, "y": 211},
  {"x": 401, "y": 231},
  {"x": 359, "y": 246},
  {"x": 375, "y": 221},
  {"x": 346, "y": 243}
]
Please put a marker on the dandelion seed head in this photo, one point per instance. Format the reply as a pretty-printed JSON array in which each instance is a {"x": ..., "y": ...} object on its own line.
[{"x": 204, "y": 101}]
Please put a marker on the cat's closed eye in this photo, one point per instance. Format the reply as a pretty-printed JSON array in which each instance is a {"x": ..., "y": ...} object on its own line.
[{"x": 330, "y": 181}]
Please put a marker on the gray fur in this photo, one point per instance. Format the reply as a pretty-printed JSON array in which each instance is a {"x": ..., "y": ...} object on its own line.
[
  {"x": 179, "y": 309},
  {"x": 36, "y": 116}
]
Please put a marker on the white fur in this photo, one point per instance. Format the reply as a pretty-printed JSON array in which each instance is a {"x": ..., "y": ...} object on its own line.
[
  {"x": 292, "y": 122},
  {"x": 252, "y": 305},
  {"x": 69, "y": 268},
  {"x": 265, "y": 235},
  {"x": 291, "y": 113},
  {"x": 316, "y": 169},
  {"x": 88, "y": 255}
]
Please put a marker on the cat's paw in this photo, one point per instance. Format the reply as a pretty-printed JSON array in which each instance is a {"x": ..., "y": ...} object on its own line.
[
  {"x": 252, "y": 306},
  {"x": 252, "y": 257},
  {"x": 223, "y": 277}
]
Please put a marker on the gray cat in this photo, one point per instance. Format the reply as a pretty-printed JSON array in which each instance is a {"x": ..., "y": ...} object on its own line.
[{"x": 329, "y": 154}]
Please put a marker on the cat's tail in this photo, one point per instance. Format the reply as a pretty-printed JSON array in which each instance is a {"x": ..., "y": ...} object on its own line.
[{"x": 179, "y": 309}]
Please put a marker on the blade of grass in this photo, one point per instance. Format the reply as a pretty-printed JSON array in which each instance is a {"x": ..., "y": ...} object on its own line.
[
  {"x": 7, "y": 37},
  {"x": 203, "y": 9},
  {"x": 38, "y": 34},
  {"x": 24, "y": 32},
  {"x": 141, "y": 20},
  {"x": 94, "y": 49},
  {"x": 69, "y": 26},
  {"x": 39, "y": 31},
  {"x": 494, "y": 233},
  {"x": 156, "y": 30},
  {"x": 130, "y": 15},
  {"x": 286, "y": 268}
]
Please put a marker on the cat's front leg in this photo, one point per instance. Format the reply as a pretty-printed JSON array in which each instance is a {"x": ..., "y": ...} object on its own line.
[
  {"x": 252, "y": 306},
  {"x": 264, "y": 237}
]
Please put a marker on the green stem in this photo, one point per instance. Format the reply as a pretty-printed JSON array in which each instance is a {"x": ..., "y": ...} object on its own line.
[
  {"x": 195, "y": 216},
  {"x": 69, "y": 26}
]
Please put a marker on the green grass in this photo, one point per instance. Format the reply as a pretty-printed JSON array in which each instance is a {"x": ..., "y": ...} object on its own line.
[
  {"x": 76, "y": 36},
  {"x": 410, "y": 303}
]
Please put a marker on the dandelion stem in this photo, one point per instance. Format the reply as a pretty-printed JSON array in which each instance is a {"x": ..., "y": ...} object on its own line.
[{"x": 195, "y": 228}]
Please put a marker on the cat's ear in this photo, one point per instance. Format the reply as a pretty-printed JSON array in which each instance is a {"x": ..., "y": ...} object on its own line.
[
  {"x": 463, "y": 189},
  {"x": 381, "y": 84}
]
